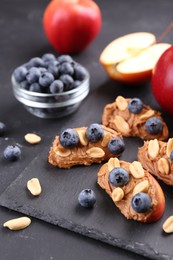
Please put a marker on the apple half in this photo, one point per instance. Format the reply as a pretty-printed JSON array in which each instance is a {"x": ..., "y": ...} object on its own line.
[{"x": 131, "y": 58}]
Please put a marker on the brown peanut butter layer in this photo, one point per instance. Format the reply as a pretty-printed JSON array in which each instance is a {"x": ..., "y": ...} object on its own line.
[
  {"x": 133, "y": 118},
  {"x": 140, "y": 183},
  {"x": 86, "y": 151},
  {"x": 156, "y": 157}
]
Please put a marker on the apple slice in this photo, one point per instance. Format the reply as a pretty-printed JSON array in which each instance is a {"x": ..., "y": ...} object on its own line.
[{"x": 132, "y": 57}]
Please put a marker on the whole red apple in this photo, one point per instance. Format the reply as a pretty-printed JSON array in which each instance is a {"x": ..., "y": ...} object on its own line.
[
  {"x": 162, "y": 81},
  {"x": 70, "y": 25}
]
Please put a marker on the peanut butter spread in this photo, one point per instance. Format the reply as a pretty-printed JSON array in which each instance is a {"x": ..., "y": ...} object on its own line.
[
  {"x": 118, "y": 117},
  {"x": 160, "y": 165},
  {"x": 85, "y": 153},
  {"x": 124, "y": 204}
]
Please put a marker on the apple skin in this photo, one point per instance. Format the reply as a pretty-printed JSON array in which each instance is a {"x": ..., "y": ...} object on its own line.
[
  {"x": 70, "y": 25},
  {"x": 162, "y": 81}
]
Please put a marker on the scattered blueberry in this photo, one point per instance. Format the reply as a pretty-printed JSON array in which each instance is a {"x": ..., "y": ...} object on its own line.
[
  {"x": 64, "y": 58},
  {"x": 57, "y": 86},
  {"x": 66, "y": 68},
  {"x": 116, "y": 146},
  {"x": 79, "y": 72},
  {"x": 118, "y": 177},
  {"x": 141, "y": 202},
  {"x": 87, "y": 198},
  {"x": 153, "y": 125},
  {"x": 20, "y": 74},
  {"x": 35, "y": 87},
  {"x": 3, "y": 128},
  {"x": 36, "y": 62},
  {"x": 46, "y": 79},
  {"x": 94, "y": 133},
  {"x": 33, "y": 75},
  {"x": 68, "y": 81},
  {"x": 171, "y": 156},
  {"x": 25, "y": 85},
  {"x": 135, "y": 105},
  {"x": 12, "y": 153},
  {"x": 69, "y": 138}
]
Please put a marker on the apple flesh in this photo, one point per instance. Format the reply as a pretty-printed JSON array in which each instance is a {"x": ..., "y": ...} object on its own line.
[
  {"x": 70, "y": 25},
  {"x": 131, "y": 58},
  {"x": 162, "y": 81}
]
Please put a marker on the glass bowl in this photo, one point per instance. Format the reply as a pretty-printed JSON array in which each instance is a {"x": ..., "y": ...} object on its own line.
[{"x": 52, "y": 105}]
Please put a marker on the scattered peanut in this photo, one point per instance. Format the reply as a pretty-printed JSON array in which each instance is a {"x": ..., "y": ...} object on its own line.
[
  {"x": 34, "y": 186},
  {"x": 168, "y": 225},
  {"x": 18, "y": 223},
  {"x": 32, "y": 138}
]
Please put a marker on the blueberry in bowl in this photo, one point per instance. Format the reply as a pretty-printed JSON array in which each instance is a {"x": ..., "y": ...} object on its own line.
[{"x": 50, "y": 87}]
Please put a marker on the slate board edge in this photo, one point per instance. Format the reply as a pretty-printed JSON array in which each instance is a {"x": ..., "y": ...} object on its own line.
[{"x": 134, "y": 247}]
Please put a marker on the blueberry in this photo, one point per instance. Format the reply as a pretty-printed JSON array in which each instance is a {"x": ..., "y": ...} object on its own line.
[
  {"x": 69, "y": 138},
  {"x": 46, "y": 79},
  {"x": 116, "y": 146},
  {"x": 87, "y": 198},
  {"x": 68, "y": 82},
  {"x": 20, "y": 74},
  {"x": 141, "y": 202},
  {"x": 33, "y": 75},
  {"x": 3, "y": 128},
  {"x": 56, "y": 87},
  {"x": 36, "y": 62},
  {"x": 35, "y": 87},
  {"x": 94, "y": 133},
  {"x": 24, "y": 85},
  {"x": 79, "y": 72},
  {"x": 64, "y": 58},
  {"x": 66, "y": 68},
  {"x": 42, "y": 70},
  {"x": 171, "y": 156},
  {"x": 153, "y": 125},
  {"x": 12, "y": 153},
  {"x": 135, "y": 105},
  {"x": 54, "y": 70},
  {"x": 48, "y": 57},
  {"x": 76, "y": 83},
  {"x": 118, "y": 177}
]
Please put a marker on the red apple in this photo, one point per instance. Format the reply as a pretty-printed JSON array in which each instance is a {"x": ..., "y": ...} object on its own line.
[
  {"x": 162, "y": 81},
  {"x": 70, "y": 25}
]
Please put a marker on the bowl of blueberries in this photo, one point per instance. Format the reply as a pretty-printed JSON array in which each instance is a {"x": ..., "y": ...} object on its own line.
[{"x": 51, "y": 87}]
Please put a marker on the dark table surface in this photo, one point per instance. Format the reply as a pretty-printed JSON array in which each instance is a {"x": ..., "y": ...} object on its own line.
[{"x": 21, "y": 38}]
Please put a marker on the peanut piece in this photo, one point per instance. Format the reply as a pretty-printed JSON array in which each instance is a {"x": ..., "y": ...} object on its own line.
[
  {"x": 121, "y": 125},
  {"x": 147, "y": 115},
  {"x": 168, "y": 225},
  {"x": 95, "y": 152},
  {"x": 18, "y": 223},
  {"x": 121, "y": 103},
  {"x": 136, "y": 170},
  {"x": 82, "y": 137},
  {"x": 63, "y": 152},
  {"x": 141, "y": 187},
  {"x": 117, "y": 194},
  {"x": 153, "y": 148},
  {"x": 34, "y": 186},
  {"x": 113, "y": 163},
  {"x": 169, "y": 147},
  {"x": 106, "y": 139},
  {"x": 163, "y": 166},
  {"x": 32, "y": 138}
]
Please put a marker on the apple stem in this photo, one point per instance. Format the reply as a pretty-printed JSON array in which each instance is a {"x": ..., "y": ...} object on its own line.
[{"x": 165, "y": 32}]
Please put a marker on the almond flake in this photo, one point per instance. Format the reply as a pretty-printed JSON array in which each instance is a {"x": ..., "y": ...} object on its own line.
[
  {"x": 113, "y": 163},
  {"x": 82, "y": 137},
  {"x": 121, "y": 103},
  {"x": 141, "y": 187},
  {"x": 117, "y": 194},
  {"x": 121, "y": 125},
  {"x": 147, "y": 115},
  {"x": 163, "y": 166},
  {"x": 169, "y": 147},
  {"x": 95, "y": 152},
  {"x": 168, "y": 225},
  {"x": 153, "y": 148},
  {"x": 18, "y": 223},
  {"x": 136, "y": 170}
]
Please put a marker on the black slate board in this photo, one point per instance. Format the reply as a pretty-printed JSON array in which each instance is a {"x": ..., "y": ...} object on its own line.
[{"x": 58, "y": 205}]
